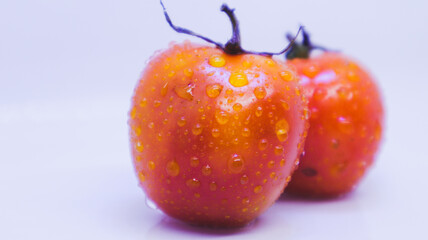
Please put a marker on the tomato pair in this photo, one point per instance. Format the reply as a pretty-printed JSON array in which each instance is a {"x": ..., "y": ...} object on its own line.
[{"x": 216, "y": 133}]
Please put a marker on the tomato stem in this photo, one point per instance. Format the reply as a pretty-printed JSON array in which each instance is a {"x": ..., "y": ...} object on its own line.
[
  {"x": 233, "y": 46},
  {"x": 302, "y": 49}
]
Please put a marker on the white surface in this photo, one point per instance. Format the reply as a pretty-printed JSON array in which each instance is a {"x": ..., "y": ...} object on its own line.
[{"x": 67, "y": 72}]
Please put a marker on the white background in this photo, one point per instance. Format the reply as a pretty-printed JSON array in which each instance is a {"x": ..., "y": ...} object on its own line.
[{"x": 67, "y": 72}]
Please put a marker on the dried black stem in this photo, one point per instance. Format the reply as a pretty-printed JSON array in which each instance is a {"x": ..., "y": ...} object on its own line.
[
  {"x": 233, "y": 46},
  {"x": 303, "y": 49}
]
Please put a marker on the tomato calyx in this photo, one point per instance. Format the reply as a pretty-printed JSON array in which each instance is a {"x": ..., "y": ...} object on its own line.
[
  {"x": 233, "y": 46},
  {"x": 302, "y": 49}
]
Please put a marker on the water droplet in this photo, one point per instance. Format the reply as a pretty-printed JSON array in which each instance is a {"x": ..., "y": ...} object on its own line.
[
  {"x": 194, "y": 161},
  {"x": 222, "y": 117},
  {"x": 137, "y": 131},
  {"x": 345, "y": 125},
  {"x": 197, "y": 195},
  {"x": 143, "y": 102},
  {"x": 169, "y": 108},
  {"x": 236, "y": 163},
  {"x": 244, "y": 179},
  {"x": 244, "y": 209},
  {"x": 378, "y": 131},
  {"x": 260, "y": 92},
  {"x": 139, "y": 146},
  {"x": 259, "y": 111},
  {"x": 282, "y": 162},
  {"x": 185, "y": 92},
  {"x": 246, "y": 64},
  {"x": 263, "y": 143},
  {"x": 164, "y": 89},
  {"x": 171, "y": 74},
  {"x": 279, "y": 150},
  {"x": 151, "y": 125},
  {"x": 270, "y": 62},
  {"x": 272, "y": 175},
  {"x": 133, "y": 112},
  {"x": 141, "y": 176},
  {"x": 193, "y": 183},
  {"x": 206, "y": 170},
  {"x": 197, "y": 129},
  {"x": 334, "y": 143},
  {"x": 151, "y": 165},
  {"x": 181, "y": 121},
  {"x": 286, "y": 76},
  {"x": 172, "y": 168},
  {"x": 214, "y": 90},
  {"x": 246, "y": 132},
  {"x": 297, "y": 91},
  {"x": 217, "y": 61},
  {"x": 229, "y": 91},
  {"x": 215, "y": 132},
  {"x": 238, "y": 79},
  {"x": 213, "y": 186},
  {"x": 281, "y": 128},
  {"x": 311, "y": 70},
  {"x": 237, "y": 107},
  {"x": 271, "y": 164},
  {"x": 257, "y": 189},
  {"x": 188, "y": 72},
  {"x": 157, "y": 103},
  {"x": 288, "y": 179}
]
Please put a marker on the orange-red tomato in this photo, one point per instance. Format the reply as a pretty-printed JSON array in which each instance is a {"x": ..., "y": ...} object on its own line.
[
  {"x": 345, "y": 125},
  {"x": 215, "y": 137}
]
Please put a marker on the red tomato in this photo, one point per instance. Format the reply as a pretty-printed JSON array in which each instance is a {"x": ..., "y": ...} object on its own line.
[
  {"x": 345, "y": 125},
  {"x": 215, "y": 137}
]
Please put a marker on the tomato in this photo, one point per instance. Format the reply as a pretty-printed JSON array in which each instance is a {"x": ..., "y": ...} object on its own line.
[
  {"x": 215, "y": 136},
  {"x": 346, "y": 123}
]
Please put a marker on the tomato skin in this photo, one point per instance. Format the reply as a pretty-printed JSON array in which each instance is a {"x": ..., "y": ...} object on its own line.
[
  {"x": 345, "y": 126},
  {"x": 206, "y": 151}
]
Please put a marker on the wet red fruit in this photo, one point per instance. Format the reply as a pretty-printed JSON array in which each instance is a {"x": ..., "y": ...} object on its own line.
[
  {"x": 215, "y": 136},
  {"x": 346, "y": 123}
]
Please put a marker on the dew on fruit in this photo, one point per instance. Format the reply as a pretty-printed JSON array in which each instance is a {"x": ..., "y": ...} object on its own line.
[
  {"x": 141, "y": 176},
  {"x": 237, "y": 107},
  {"x": 215, "y": 132},
  {"x": 260, "y": 92},
  {"x": 133, "y": 112},
  {"x": 311, "y": 70},
  {"x": 156, "y": 103},
  {"x": 171, "y": 74},
  {"x": 172, "y": 168},
  {"x": 288, "y": 179},
  {"x": 188, "y": 72},
  {"x": 194, "y": 161},
  {"x": 151, "y": 204},
  {"x": 245, "y": 200},
  {"x": 217, "y": 61},
  {"x": 345, "y": 125},
  {"x": 297, "y": 91},
  {"x": 259, "y": 111},
  {"x": 206, "y": 170},
  {"x": 263, "y": 143},
  {"x": 185, "y": 92},
  {"x": 197, "y": 195},
  {"x": 139, "y": 146},
  {"x": 270, "y": 62},
  {"x": 281, "y": 129},
  {"x": 282, "y": 162},
  {"x": 244, "y": 179},
  {"x": 197, "y": 129},
  {"x": 164, "y": 89},
  {"x": 246, "y": 64},
  {"x": 222, "y": 117},
  {"x": 244, "y": 209},
  {"x": 258, "y": 189},
  {"x": 214, "y": 90},
  {"x": 246, "y": 132},
  {"x": 279, "y": 149},
  {"x": 169, "y": 108},
  {"x": 193, "y": 183},
  {"x": 151, "y": 165},
  {"x": 334, "y": 143},
  {"x": 238, "y": 79},
  {"x": 271, "y": 163},
  {"x": 286, "y": 76},
  {"x": 272, "y": 175},
  {"x": 236, "y": 164},
  {"x": 213, "y": 186},
  {"x": 181, "y": 121},
  {"x": 137, "y": 131},
  {"x": 319, "y": 94},
  {"x": 143, "y": 102}
]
